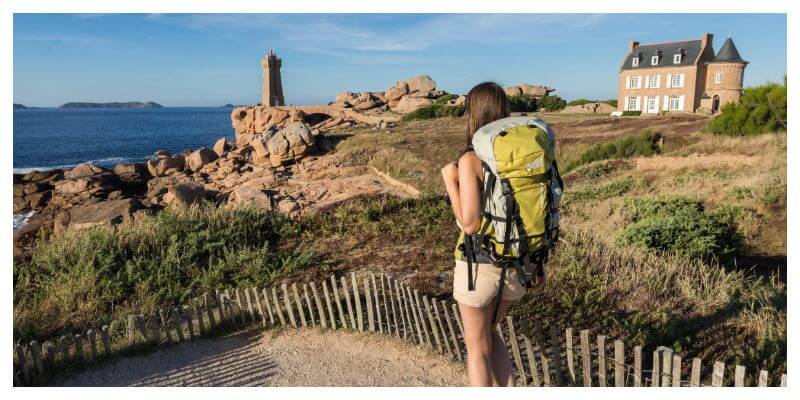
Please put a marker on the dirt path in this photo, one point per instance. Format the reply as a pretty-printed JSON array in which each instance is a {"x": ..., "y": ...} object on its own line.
[{"x": 288, "y": 358}]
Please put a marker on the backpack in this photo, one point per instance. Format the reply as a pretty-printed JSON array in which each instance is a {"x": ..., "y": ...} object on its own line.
[{"x": 519, "y": 202}]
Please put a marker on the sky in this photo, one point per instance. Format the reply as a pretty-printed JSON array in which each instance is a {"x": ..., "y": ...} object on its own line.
[{"x": 214, "y": 59}]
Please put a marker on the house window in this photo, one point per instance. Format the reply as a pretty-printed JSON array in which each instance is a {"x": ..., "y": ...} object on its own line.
[
  {"x": 652, "y": 82},
  {"x": 633, "y": 103},
  {"x": 676, "y": 59},
  {"x": 635, "y": 61},
  {"x": 651, "y": 104},
  {"x": 674, "y": 103},
  {"x": 635, "y": 82},
  {"x": 677, "y": 80},
  {"x": 654, "y": 60},
  {"x": 718, "y": 77}
]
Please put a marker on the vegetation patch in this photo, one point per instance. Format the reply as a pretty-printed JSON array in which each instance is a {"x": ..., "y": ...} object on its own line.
[
  {"x": 522, "y": 103},
  {"x": 646, "y": 144},
  {"x": 580, "y": 102},
  {"x": 444, "y": 99},
  {"x": 761, "y": 109},
  {"x": 158, "y": 261},
  {"x": 682, "y": 226},
  {"x": 434, "y": 111}
]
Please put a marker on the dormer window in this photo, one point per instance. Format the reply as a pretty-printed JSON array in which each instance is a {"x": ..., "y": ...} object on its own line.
[
  {"x": 635, "y": 61},
  {"x": 654, "y": 60},
  {"x": 676, "y": 59}
]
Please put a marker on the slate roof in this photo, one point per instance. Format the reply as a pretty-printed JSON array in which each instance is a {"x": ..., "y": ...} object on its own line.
[
  {"x": 728, "y": 53},
  {"x": 690, "y": 49}
]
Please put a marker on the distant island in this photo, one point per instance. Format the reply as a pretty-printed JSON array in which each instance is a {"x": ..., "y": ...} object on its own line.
[
  {"x": 130, "y": 104},
  {"x": 229, "y": 105},
  {"x": 20, "y": 106}
]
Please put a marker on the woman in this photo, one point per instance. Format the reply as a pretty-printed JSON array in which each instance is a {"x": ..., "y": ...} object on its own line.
[{"x": 487, "y": 356}]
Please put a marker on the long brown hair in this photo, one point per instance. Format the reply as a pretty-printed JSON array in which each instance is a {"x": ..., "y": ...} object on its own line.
[{"x": 485, "y": 103}]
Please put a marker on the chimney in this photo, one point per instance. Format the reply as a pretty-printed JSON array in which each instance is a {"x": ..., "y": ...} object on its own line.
[
  {"x": 631, "y": 45},
  {"x": 706, "y": 39}
]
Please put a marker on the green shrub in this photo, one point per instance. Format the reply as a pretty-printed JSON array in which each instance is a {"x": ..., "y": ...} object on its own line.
[
  {"x": 761, "y": 109},
  {"x": 550, "y": 103},
  {"x": 522, "y": 103},
  {"x": 611, "y": 102},
  {"x": 434, "y": 111},
  {"x": 682, "y": 226},
  {"x": 631, "y": 113},
  {"x": 444, "y": 99},
  {"x": 646, "y": 144},
  {"x": 580, "y": 102}
]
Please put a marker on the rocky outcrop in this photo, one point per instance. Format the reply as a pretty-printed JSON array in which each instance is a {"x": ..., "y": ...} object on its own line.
[
  {"x": 110, "y": 212},
  {"x": 185, "y": 194},
  {"x": 250, "y": 195},
  {"x": 408, "y": 104},
  {"x": 529, "y": 90},
  {"x": 590, "y": 108},
  {"x": 290, "y": 144},
  {"x": 200, "y": 158},
  {"x": 408, "y": 95},
  {"x": 164, "y": 164}
]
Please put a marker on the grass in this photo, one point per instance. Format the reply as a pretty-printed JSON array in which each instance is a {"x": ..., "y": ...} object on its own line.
[
  {"x": 159, "y": 261},
  {"x": 435, "y": 110},
  {"x": 646, "y": 144}
]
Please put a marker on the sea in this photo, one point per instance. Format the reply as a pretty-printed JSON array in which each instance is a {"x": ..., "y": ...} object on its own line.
[{"x": 48, "y": 138}]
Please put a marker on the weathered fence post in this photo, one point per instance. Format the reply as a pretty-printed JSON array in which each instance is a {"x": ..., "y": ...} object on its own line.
[
  {"x": 23, "y": 364},
  {"x": 207, "y": 299},
  {"x": 187, "y": 313},
  {"x": 432, "y": 321},
  {"x": 458, "y": 320},
  {"x": 378, "y": 313},
  {"x": 155, "y": 335},
  {"x": 288, "y": 304},
  {"x": 532, "y": 361},
  {"x": 385, "y": 304},
  {"x": 585, "y": 358},
  {"x": 555, "y": 351},
  {"x": 79, "y": 347},
  {"x": 36, "y": 353},
  {"x": 738, "y": 376},
  {"x": 92, "y": 336},
  {"x": 176, "y": 318},
  {"x": 201, "y": 328},
  {"x": 666, "y": 367},
  {"x": 278, "y": 306},
  {"x": 395, "y": 303},
  {"x": 323, "y": 320},
  {"x": 420, "y": 308},
  {"x": 450, "y": 328},
  {"x": 676, "y": 370},
  {"x": 440, "y": 324},
  {"x": 219, "y": 297},
  {"x": 619, "y": 363},
  {"x": 299, "y": 305},
  {"x": 357, "y": 301},
  {"x": 512, "y": 337},
  {"x": 130, "y": 329},
  {"x": 762, "y": 378},
  {"x": 601, "y": 360},
  {"x": 64, "y": 345},
  {"x": 368, "y": 296},
  {"x": 570, "y": 344},
  {"x": 339, "y": 308},
  {"x": 401, "y": 307},
  {"x": 164, "y": 323},
  {"x": 350, "y": 312},
  {"x": 265, "y": 298},
  {"x": 637, "y": 366},
  {"x": 542, "y": 345},
  {"x": 259, "y": 306},
  {"x": 309, "y": 305},
  {"x": 718, "y": 375},
  {"x": 656, "y": 373},
  {"x": 328, "y": 304},
  {"x": 697, "y": 364},
  {"x": 251, "y": 311},
  {"x": 49, "y": 350}
]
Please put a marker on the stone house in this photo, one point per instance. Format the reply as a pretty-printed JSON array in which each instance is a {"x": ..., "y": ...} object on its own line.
[{"x": 685, "y": 76}]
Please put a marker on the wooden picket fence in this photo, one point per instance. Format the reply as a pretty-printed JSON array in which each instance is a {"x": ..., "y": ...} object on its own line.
[{"x": 378, "y": 303}]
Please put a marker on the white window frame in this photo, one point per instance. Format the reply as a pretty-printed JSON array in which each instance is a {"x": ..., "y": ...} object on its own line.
[
  {"x": 654, "y": 60},
  {"x": 676, "y": 59},
  {"x": 674, "y": 103},
  {"x": 635, "y": 62},
  {"x": 654, "y": 108},
  {"x": 718, "y": 78},
  {"x": 652, "y": 81},
  {"x": 635, "y": 82},
  {"x": 633, "y": 103},
  {"x": 677, "y": 78}
]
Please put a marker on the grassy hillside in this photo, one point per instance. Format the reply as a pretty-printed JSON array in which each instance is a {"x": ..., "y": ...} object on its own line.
[{"x": 599, "y": 280}]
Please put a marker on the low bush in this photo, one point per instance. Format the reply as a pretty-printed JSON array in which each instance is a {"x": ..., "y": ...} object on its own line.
[
  {"x": 631, "y": 113},
  {"x": 434, "y": 111},
  {"x": 522, "y": 103},
  {"x": 761, "y": 109},
  {"x": 444, "y": 99},
  {"x": 646, "y": 144},
  {"x": 550, "y": 103},
  {"x": 580, "y": 102},
  {"x": 682, "y": 226}
]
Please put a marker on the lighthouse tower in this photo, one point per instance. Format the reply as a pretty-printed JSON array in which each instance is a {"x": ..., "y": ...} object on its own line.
[
  {"x": 272, "y": 88},
  {"x": 724, "y": 78}
]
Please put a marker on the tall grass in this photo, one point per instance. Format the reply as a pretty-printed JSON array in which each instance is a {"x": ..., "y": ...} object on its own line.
[
  {"x": 645, "y": 144},
  {"x": 157, "y": 261}
]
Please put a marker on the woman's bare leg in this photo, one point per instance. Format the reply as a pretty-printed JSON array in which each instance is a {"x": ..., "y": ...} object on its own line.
[
  {"x": 501, "y": 362},
  {"x": 478, "y": 339}
]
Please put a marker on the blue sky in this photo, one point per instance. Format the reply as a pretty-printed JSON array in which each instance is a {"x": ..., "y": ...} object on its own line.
[{"x": 213, "y": 59}]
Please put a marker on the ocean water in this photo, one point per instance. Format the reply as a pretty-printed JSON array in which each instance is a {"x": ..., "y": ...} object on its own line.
[{"x": 50, "y": 138}]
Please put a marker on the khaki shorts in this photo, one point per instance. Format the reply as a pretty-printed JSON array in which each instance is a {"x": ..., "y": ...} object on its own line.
[{"x": 487, "y": 282}]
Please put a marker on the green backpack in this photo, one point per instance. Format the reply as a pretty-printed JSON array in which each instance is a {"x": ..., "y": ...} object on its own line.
[{"x": 519, "y": 202}]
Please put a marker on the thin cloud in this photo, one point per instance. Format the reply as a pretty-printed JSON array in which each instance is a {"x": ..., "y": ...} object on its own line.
[{"x": 75, "y": 40}]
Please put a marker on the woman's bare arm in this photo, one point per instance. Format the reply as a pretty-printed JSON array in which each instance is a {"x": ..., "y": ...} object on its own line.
[{"x": 469, "y": 191}]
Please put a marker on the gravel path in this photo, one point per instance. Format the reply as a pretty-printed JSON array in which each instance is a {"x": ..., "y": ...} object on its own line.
[{"x": 289, "y": 358}]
